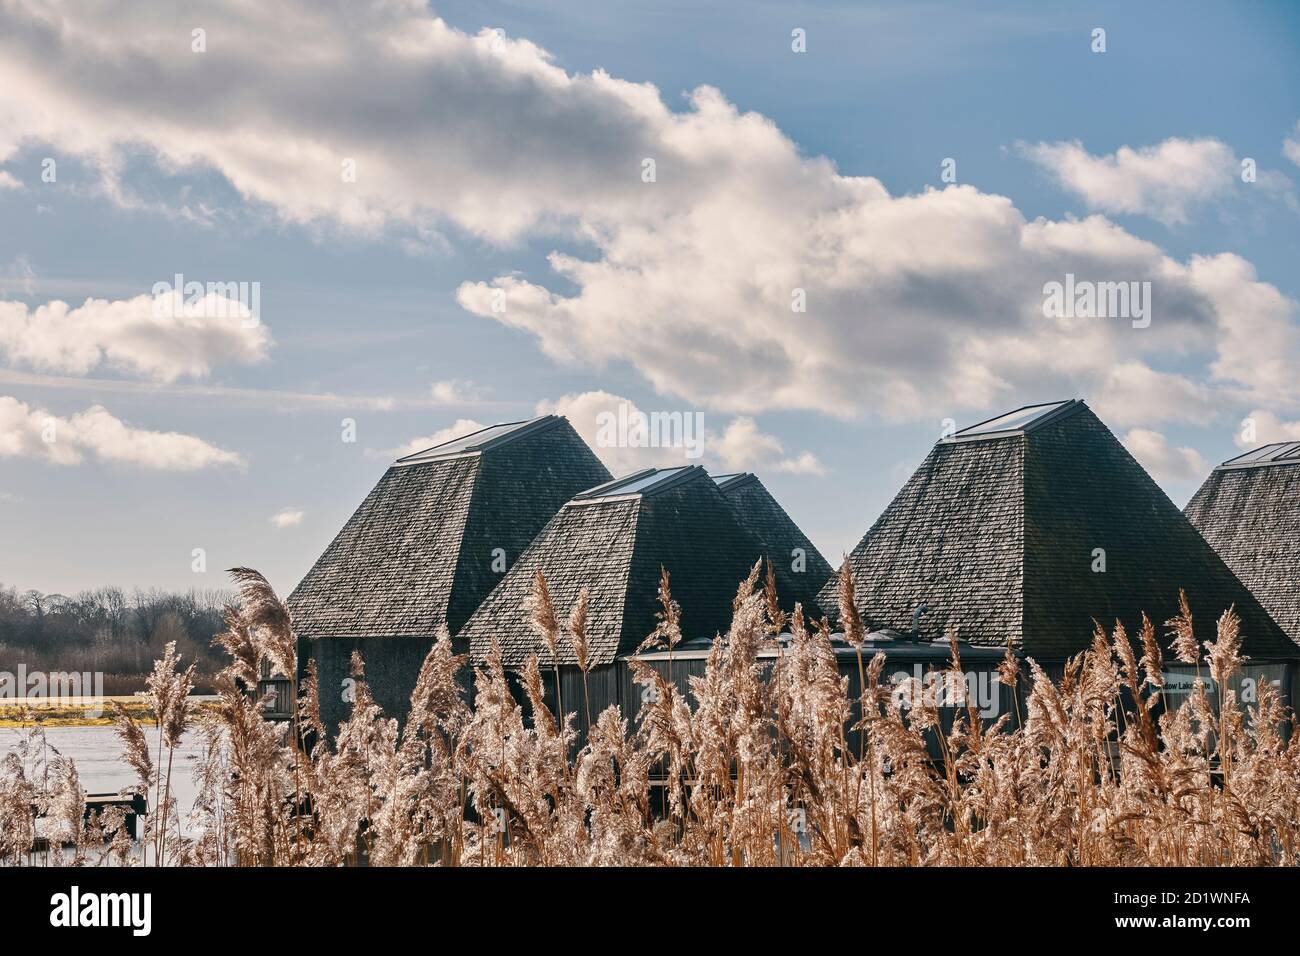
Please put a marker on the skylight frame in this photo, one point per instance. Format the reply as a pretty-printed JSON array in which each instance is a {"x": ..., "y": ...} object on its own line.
[
  {"x": 647, "y": 481},
  {"x": 1051, "y": 411},
  {"x": 490, "y": 436},
  {"x": 1274, "y": 453}
]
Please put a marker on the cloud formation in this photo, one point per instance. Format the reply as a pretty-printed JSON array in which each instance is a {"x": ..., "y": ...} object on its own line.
[
  {"x": 162, "y": 338},
  {"x": 1291, "y": 145},
  {"x": 743, "y": 276},
  {"x": 1165, "y": 462},
  {"x": 454, "y": 392},
  {"x": 287, "y": 518},
  {"x": 1162, "y": 181},
  {"x": 27, "y": 432},
  {"x": 740, "y": 446},
  {"x": 1262, "y": 427}
]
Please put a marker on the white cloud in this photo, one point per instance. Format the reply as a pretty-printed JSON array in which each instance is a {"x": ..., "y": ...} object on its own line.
[
  {"x": 454, "y": 392},
  {"x": 1160, "y": 181},
  {"x": 161, "y": 338},
  {"x": 1291, "y": 145},
  {"x": 742, "y": 447},
  {"x": 1132, "y": 392},
  {"x": 7, "y": 181},
  {"x": 584, "y": 411},
  {"x": 918, "y": 305},
  {"x": 287, "y": 518},
  {"x": 1262, "y": 427},
  {"x": 739, "y": 447},
  {"x": 1165, "y": 462},
  {"x": 27, "y": 432}
]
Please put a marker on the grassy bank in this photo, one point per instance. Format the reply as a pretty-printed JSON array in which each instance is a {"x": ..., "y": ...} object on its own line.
[{"x": 79, "y": 712}]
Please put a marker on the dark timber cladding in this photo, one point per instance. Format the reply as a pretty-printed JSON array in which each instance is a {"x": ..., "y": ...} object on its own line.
[
  {"x": 800, "y": 568},
  {"x": 1249, "y": 511},
  {"x": 1000, "y": 528},
  {"x": 419, "y": 552},
  {"x": 614, "y": 539}
]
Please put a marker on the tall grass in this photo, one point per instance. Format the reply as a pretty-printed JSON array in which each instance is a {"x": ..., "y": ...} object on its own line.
[{"x": 753, "y": 769}]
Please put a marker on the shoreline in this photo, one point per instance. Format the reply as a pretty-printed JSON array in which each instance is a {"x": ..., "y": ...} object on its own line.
[{"x": 80, "y": 711}]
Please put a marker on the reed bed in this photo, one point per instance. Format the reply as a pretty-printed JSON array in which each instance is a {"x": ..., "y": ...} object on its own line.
[{"x": 755, "y": 768}]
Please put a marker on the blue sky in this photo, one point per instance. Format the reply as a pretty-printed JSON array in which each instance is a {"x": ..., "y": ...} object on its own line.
[{"x": 922, "y": 304}]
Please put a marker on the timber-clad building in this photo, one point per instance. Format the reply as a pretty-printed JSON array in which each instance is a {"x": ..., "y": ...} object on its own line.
[
  {"x": 1021, "y": 530},
  {"x": 426, "y": 546},
  {"x": 1249, "y": 511}
]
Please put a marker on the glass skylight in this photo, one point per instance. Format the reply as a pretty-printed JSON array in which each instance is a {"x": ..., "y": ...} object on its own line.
[
  {"x": 465, "y": 442},
  {"x": 1251, "y": 457},
  {"x": 634, "y": 484},
  {"x": 1013, "y": 421},
  {"x": 1266, "y": 454}
]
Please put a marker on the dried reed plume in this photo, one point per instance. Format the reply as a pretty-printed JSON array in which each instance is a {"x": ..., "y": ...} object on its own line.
[{"x": 767, "y": 756}]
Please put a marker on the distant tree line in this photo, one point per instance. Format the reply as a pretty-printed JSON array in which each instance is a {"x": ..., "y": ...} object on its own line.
[{"x": 116, "y": 632}]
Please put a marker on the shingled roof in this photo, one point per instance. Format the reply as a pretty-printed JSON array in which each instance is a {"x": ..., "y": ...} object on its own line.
[
  {"x": 614, "y": 539},
  {"x": 418, "y": 552},
  {"x": 1249, "y": 511},
  {"x": 800, "y": 568},
  {"x": 996, "y": 534}
]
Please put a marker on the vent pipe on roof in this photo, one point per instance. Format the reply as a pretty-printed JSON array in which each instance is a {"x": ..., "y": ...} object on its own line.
[{"x": 916, "y": 622}]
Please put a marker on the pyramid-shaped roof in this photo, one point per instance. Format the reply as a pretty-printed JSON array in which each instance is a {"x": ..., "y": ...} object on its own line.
[
  {"x": 419, "y": 551},
  {"x": 999, "y": 530},
  {"x": 613, "y": 539},
  {"x": 800, "y": 568},
  {"x": 1248, "y": 509}
]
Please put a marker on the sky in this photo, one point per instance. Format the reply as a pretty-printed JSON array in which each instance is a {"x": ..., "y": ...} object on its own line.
[{"x": 828, "y": 230}]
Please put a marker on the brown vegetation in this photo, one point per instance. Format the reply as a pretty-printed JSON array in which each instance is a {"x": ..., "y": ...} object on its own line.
[{"x": 755, "y": 769}]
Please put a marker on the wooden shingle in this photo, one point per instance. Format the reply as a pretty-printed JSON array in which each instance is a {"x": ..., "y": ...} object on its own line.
[
  {"x": 799, "y": 567},
  {"x": 614, "y": 541},
  {"x": 1248, "y": 509},
  {"x": 1002, "y": 530},
  {"x": 424, "y": 548}
]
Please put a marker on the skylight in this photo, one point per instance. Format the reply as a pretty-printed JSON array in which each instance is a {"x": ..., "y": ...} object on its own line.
[
  {"x": 1020, "y": 420},
  {"x": 465, "y": 444},
  {"x": 1286, "y": 452},
  {"x": 638, "y": 483}
]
